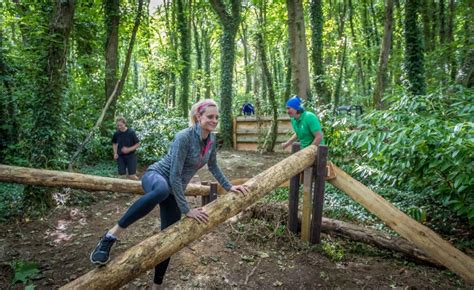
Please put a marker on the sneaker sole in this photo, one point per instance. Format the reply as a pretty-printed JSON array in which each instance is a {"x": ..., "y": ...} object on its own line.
[{"x": 98, "y": 262}]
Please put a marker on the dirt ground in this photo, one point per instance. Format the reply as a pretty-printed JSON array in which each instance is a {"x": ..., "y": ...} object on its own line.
[{"x": 231, "y": 256}]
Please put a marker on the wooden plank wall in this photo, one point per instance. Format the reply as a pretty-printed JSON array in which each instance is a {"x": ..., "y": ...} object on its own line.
[{"x": 250, "y": 131}]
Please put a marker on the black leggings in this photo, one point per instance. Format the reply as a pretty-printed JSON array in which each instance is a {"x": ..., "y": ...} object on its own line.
[{"x": 157, "y": 191}]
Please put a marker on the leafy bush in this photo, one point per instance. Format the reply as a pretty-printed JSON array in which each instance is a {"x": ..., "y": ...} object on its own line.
[
  {"x": 155, "y": 124},
  {"x": 11, "y": 196},
  {"x": 422, "y": 144}
]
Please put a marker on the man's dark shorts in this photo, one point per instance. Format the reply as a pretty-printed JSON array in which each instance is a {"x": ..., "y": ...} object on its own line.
[{"x": 129, "y": 162}]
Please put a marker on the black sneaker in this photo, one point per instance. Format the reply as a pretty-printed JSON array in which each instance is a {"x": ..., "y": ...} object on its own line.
[{"x": 100, "y": 255}]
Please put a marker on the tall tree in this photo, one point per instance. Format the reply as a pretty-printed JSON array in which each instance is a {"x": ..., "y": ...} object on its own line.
[
  {"x": 271, "y": 140},
  {"x": 465, "y": 75},
  {"x": 112, "y": 20},
  {"x": 298, "y": 50},
  {"x": 48, "y": 114},
  {"x": 384, "y": 55},
  {"x": 450, "y": 40},
  {"x": 183, "y": 23},
  {"x": 317, "y": 20},
  {"x": 248, "y": 73},
  {"x": 229, "y": 18},
  {"x": 414, "y": 56}
]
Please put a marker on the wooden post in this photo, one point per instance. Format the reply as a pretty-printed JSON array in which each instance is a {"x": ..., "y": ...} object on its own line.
[
  {"x": 213, "y": 192},
  {"x": 318, "y": 194},
  {"x": 234, "y": 135},
  {"x": 307, "y": 203},
  {"x": 205, "y": 199},
  {"x": 293, "y": 197}
]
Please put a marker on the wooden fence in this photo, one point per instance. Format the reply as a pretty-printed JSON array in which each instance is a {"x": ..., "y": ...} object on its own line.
[{"x": 250, "y": 132}]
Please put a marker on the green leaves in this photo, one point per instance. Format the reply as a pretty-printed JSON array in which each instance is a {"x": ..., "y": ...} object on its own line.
[
  {"x": 24, "y": 271},
  {"x": 422, "y": 144}
]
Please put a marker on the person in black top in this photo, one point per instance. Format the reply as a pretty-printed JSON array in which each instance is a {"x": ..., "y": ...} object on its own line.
[{"x": 124, "y": 143}]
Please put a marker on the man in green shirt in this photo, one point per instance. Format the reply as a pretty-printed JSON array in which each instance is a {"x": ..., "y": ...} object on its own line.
[{"x": 305, "y": 124}]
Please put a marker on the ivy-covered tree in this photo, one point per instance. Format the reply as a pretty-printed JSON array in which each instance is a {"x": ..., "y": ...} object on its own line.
[
  {"x": 183, "y": 25},
  {"x": 414, "y": 55},
  {"x": 47, "y": 132},
  {"x": 317, "y": 21},
  {"x": 112, "y": 21},
  {"x": 230, "y": 25}
]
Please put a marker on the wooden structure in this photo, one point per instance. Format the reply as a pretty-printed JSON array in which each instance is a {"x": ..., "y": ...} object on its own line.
[
  {"x": 314, "y": 178},
  {"x": 157, "y": 248},
  {"x": 250, "y": 131}
]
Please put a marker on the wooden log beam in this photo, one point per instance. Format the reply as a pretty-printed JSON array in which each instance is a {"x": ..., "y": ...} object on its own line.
[
  {"x": 423, "y": 237},
  {"x": 157, "y": 248},
  {"x": 52, "y": 178}
]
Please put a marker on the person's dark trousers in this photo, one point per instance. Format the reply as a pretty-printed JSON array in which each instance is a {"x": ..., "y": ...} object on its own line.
[
  {"x": 157, "y": 191},
  {"x": 127, "y": 164}
]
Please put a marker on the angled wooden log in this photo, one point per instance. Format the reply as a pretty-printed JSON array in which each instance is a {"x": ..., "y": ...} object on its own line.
[
  {"x": 423, "y": 237},
  {"x": 52, "y": 178},
  {"x": 157, "y": 248}
]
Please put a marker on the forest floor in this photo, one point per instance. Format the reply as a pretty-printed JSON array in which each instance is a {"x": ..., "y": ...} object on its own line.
[{"x": 240, "y": 253}]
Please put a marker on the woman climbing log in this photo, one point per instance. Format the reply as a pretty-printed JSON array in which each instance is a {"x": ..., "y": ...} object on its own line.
[{"x": 164, "y": 182}]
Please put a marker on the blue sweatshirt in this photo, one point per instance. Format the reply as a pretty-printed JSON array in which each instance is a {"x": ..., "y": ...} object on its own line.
[{"x": 186, "y": 155}]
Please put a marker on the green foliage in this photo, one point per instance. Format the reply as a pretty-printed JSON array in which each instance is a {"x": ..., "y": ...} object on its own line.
[
  {"x": 11, "y": 196},
  {"x": 279, "y": 194},
  {"x": 422, "y": 144},
  {"x": 155, "y": 125},
  {"x": 332, "y": 249},
  {"x": 24, "y": 272}
]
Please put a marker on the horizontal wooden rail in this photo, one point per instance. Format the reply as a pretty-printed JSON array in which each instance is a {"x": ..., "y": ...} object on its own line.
[{"x": 52, "y": 178}]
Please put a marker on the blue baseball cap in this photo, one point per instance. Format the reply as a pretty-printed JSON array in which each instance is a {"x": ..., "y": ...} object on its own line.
[{"x": 295, "y": 103}]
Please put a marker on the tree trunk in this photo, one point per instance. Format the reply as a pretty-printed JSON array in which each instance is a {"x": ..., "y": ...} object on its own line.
[
  {"x": 198, "y": 49},
  {"x": 465, "y": 75},
  {"x": 337, "y": 91},
  {"x": 374, "y": 21},
  {"x": 112, "y": 20},
  {"x": 50, "y": 178},
  {"x": 298, "y": 50},
  {"x": 278, "y": 212},
  {"x": 414, "y": 56},
  {"x": 384, "y": 55},
  {"x": 359, "y": 57},
  {"x": 424, "y": 238},
  {"x": 230, "y": 25},
  {"x": 248, "y": 74},
  {"x": 442, "y": 22},
  {"x": 159, "y": 247},
  {"x": 288, "y": 75},
  {"x": 317, "y": 21},
  {"x": 9, "y": 130},
  {"x": 271, "y": 93},
  {"x": 47, "y": 116},
  {"x": 207, "y": 62},
  {"x": 450, "y": 36},
  {"x": 182, "y": 21},
  {"x": 426, "y": 15},
  {"x": 170, "y": 21}
]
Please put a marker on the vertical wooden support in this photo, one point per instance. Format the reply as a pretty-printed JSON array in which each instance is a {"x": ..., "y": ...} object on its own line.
[
  {"x": 205, "y": 198},
  {"x": 293, "y": 197},
  {"x": 318, "y": 194},
  {"x": 213, "y": 191},
  {"x": 307, "y": 202},
  {"x": 234, "y": 134}
]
